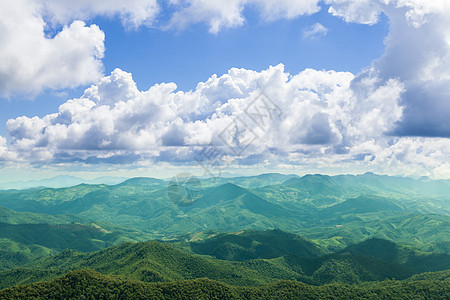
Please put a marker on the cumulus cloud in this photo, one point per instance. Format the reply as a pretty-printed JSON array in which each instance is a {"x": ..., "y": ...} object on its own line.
[
  {"x": 315, "y": 31},
  {"x": 313, "y": 118},
  {"x": 32, "y": 60},
  {"x": 417, "y": 53},
  {"x": 222, "y": 14}
]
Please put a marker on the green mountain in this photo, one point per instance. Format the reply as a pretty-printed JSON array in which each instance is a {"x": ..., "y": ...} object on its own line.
[
  {"x": 9, "y": 216},
  {"x": 335, "y": 211},
  {"x": 262, "y": 257},
  {"x": 26, "y": 236},
  {"x": 417, "y": 261},
  {"x": 246, "y": 245},
  {"x": 249, "y": 182},
  {"x": 373, "y": 259},
  {"x": 427, "y": 232},
  {"x": 148, "y": 261}
]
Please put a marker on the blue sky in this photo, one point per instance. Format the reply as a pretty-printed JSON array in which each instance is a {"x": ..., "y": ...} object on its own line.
[
  {"x": 190, "y": 56},
  {"x": 346, "y": 75}
]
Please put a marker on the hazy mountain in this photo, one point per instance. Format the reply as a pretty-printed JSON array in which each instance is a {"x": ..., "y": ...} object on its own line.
[{"x": 59, "y": 182}]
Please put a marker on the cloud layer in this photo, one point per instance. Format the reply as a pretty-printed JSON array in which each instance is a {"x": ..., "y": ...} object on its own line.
[
  {"x": 393, "y": 114},
  {"x": 314, "y": 117}
]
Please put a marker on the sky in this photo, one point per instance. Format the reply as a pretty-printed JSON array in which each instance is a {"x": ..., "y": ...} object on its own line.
[{"x": 154, "y": 88}]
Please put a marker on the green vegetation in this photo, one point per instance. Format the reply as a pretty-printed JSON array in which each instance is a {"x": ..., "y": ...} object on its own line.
[
  {"x": 279, "y": 257},
  {"x": 313, "y": 206},
  {"x": 316, "y": 233},
  {"x": 26, "y": 236},
  {"x": 246, "y": 245},
  {"x": 88, "y": 284}
]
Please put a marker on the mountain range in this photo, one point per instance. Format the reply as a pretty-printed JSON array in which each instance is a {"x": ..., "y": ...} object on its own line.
[
  {"x": 339, "y": 210},
  {"x": 244, "y": 234}
]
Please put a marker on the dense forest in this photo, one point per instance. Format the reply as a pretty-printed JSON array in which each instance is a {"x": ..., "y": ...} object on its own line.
[{"x": 88, "y": 284}]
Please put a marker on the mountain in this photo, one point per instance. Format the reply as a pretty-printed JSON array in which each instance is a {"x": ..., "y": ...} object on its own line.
[
  {"x": 424, "y": 231},
  {"x": 417, "y": 261},
  {"x": 373, "y": 259},
  {"x": 249, "y": 181},
  {"x": 88, "y": 284},
  {"x": 353, "y": 208},
  {"x": 333, "y": 209},
  {"x": 147, "y": 261},
  {"x": 25, "y": 236},
  {"x": 323, "y": 190},
  {"x": 246, "y": 245},
  {"x": 386, "y": 236},
  {"x": 59, "y": 182},
  {"x": 250, "y": 266},
  {"x": 9, "y": 216}
]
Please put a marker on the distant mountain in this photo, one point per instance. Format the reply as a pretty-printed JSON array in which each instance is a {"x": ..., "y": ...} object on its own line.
[
  {"x": 425, "y": 231},
  {"x": 8, "y": 216},
  {"x": 249, "y": 181},
  {"x": 361, "y": 205},
  {"x": 60, "y": 181},
  {"x": 143, "y": 181}
]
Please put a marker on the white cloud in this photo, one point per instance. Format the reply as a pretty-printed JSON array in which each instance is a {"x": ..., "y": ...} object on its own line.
[
  {"x": 5, "y": 154},
  {"x": 31, "y": 60},
  {"x": 133, "y": 13},
  {"x": 319, "y": 119},
  {"x": 315, "y": 31},
  {"x": 358, "y": 11},
  {"x": 285, "y": 9},
  {"x": 222, "y": 14},
  {"x": 417, "y": 53}
]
